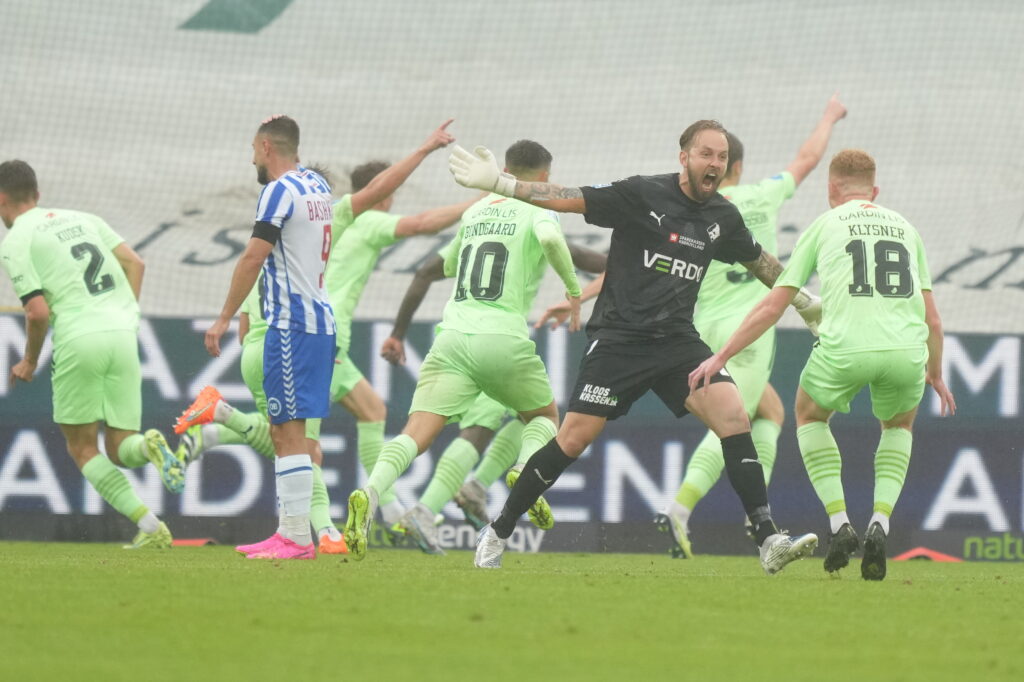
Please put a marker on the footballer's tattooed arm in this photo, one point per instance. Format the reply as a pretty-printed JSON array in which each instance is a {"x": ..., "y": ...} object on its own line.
[
  {"x": 766, "y": 268},
  {"x": 552, "y": 196}
]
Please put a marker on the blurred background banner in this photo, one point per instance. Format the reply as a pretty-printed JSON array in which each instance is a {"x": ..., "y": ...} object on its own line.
[{"x": 143, "y": 113}]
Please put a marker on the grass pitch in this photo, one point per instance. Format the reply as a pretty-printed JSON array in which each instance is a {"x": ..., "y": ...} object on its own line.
[{"x": 96, "y": 612}]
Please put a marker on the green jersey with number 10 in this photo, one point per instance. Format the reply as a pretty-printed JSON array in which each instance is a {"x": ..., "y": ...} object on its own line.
[
  {"x": 498, "y": 263},
  {"x": 68, "y": 257},
  {"x": 872, "y": 266}
]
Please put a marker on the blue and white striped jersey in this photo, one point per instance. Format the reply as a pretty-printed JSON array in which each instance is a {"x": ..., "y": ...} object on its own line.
[{"x": 299, "y": 204}]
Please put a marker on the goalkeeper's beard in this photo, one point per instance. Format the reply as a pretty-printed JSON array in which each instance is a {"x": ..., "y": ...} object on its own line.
[{"x": 696, "y": 181}]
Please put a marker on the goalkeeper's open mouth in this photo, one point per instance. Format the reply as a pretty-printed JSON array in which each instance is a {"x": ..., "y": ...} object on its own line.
[{"x": 709, "y": 183}]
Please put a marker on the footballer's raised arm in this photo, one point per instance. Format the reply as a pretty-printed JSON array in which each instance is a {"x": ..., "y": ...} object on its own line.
[
  {"x": 479, "y": 170},
  {"x": 551, "y": 196}
]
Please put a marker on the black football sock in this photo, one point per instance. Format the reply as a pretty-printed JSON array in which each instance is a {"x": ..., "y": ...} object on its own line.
[
  {"x": 540, "y": 473},
  {"x": 747, "y": 479}
]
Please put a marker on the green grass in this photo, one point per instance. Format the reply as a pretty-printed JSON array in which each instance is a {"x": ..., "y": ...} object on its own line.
[{"x": 96, "y": 612}]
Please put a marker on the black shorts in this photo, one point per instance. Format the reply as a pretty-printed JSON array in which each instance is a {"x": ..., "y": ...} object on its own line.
[{"x": 614, "y": 374}]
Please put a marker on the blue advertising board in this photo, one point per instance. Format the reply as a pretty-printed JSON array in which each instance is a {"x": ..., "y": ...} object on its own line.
[{"x": 963, "y": 494}]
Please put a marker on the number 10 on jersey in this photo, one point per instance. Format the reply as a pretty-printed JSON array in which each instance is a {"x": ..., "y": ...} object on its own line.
[{"x": 486, "y": 270}]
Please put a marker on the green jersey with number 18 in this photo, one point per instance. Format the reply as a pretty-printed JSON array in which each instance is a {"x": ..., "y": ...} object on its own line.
[
  {"x": 872, "y": 266},
  {"x": 498, "y": 263},
  {"x": 67, "y": 256}
]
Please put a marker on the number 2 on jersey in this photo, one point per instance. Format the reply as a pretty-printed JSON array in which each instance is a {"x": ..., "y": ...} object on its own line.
[
  {"x": 93, "y": 286},
  {"x": 487, "y": 274},
  {"x": 892, "y": 269}
]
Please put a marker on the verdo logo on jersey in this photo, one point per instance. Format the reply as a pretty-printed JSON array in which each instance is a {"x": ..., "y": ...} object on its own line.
[{"x": 672, "y": 266}]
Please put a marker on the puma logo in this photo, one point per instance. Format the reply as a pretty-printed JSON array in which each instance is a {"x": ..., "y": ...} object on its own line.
[
  {"x": 542, "y": 479},
  {"x": 658, "y": 217}
]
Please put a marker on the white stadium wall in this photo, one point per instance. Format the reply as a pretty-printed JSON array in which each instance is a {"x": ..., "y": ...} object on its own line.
[{"x": 143, "y": 113}]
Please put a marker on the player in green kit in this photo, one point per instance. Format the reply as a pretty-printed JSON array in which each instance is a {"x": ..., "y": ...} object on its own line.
[
  {"x": 498, "y": 259},
  {"x": 726, "y": 295},
  {"x": 71, "y": 270},
  {"x": 481, "y": 424},
  {"x": 354, "y": 254},
  {"x": 879, "y": 327}
]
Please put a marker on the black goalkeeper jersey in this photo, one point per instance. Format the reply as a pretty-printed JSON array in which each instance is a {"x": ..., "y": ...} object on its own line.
[{"x": 662, "y": 243}]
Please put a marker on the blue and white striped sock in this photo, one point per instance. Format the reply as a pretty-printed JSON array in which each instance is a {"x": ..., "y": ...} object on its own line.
[{"x": 294, "y": 476}]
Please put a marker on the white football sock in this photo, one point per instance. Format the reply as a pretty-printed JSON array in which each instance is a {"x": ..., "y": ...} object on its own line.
[
  {"x": 837, "y": 520},
  {"x": 149, "y": 523},
  {"x": 882, "y": 520},
  {"x": 294, "y": 476},
  {"x": 211, "y": 436}
]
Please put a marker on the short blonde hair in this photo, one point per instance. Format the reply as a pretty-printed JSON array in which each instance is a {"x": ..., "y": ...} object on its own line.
[{"x": 853, "y": 167}]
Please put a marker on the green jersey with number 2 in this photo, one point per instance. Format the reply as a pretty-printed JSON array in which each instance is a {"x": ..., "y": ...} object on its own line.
[{"x": 68, "y": 256}]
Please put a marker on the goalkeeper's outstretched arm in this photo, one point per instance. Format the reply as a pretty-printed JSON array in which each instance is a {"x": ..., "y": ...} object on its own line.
[{"x": 479, "y": 170}]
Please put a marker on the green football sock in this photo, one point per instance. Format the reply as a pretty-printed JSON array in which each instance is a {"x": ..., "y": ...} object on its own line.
[
  {"x": 823, "y": 463},
  {"x": 536, "y": 435},
  {"x": 226, "y": 436},
  {"x": 502, "y": 454},
  {"x": 765, "y": 434},
  {"x": 369, "y": 441},
  {"x": 131, "y": 452},
  {"x": 254, "y": 429},
  {"x": 456, "y": 461},
  {"x": 395, "y": 458},
  {"x": 891, "y": 461},
  {"x": 113, "y": 486},
  {"x": 702, "y": 472},
  {"x": 320, "y": 504}
]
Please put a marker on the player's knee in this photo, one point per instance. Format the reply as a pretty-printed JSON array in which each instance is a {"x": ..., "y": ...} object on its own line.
[
  {"x": 900, "y": 421},
  {"x": 807, "y": 411},
  {"x": 549, "y": 412},
  {"x": 730, "y": 424},
  {"x": 371, "y": 408},
  {"x": 478, "y": 436},
  {"x": 81, "y": 454},
  {"x": 571, "y": 446},
  {"x": 374, "y": 413},
  {"x": 573, "y": 441}
]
